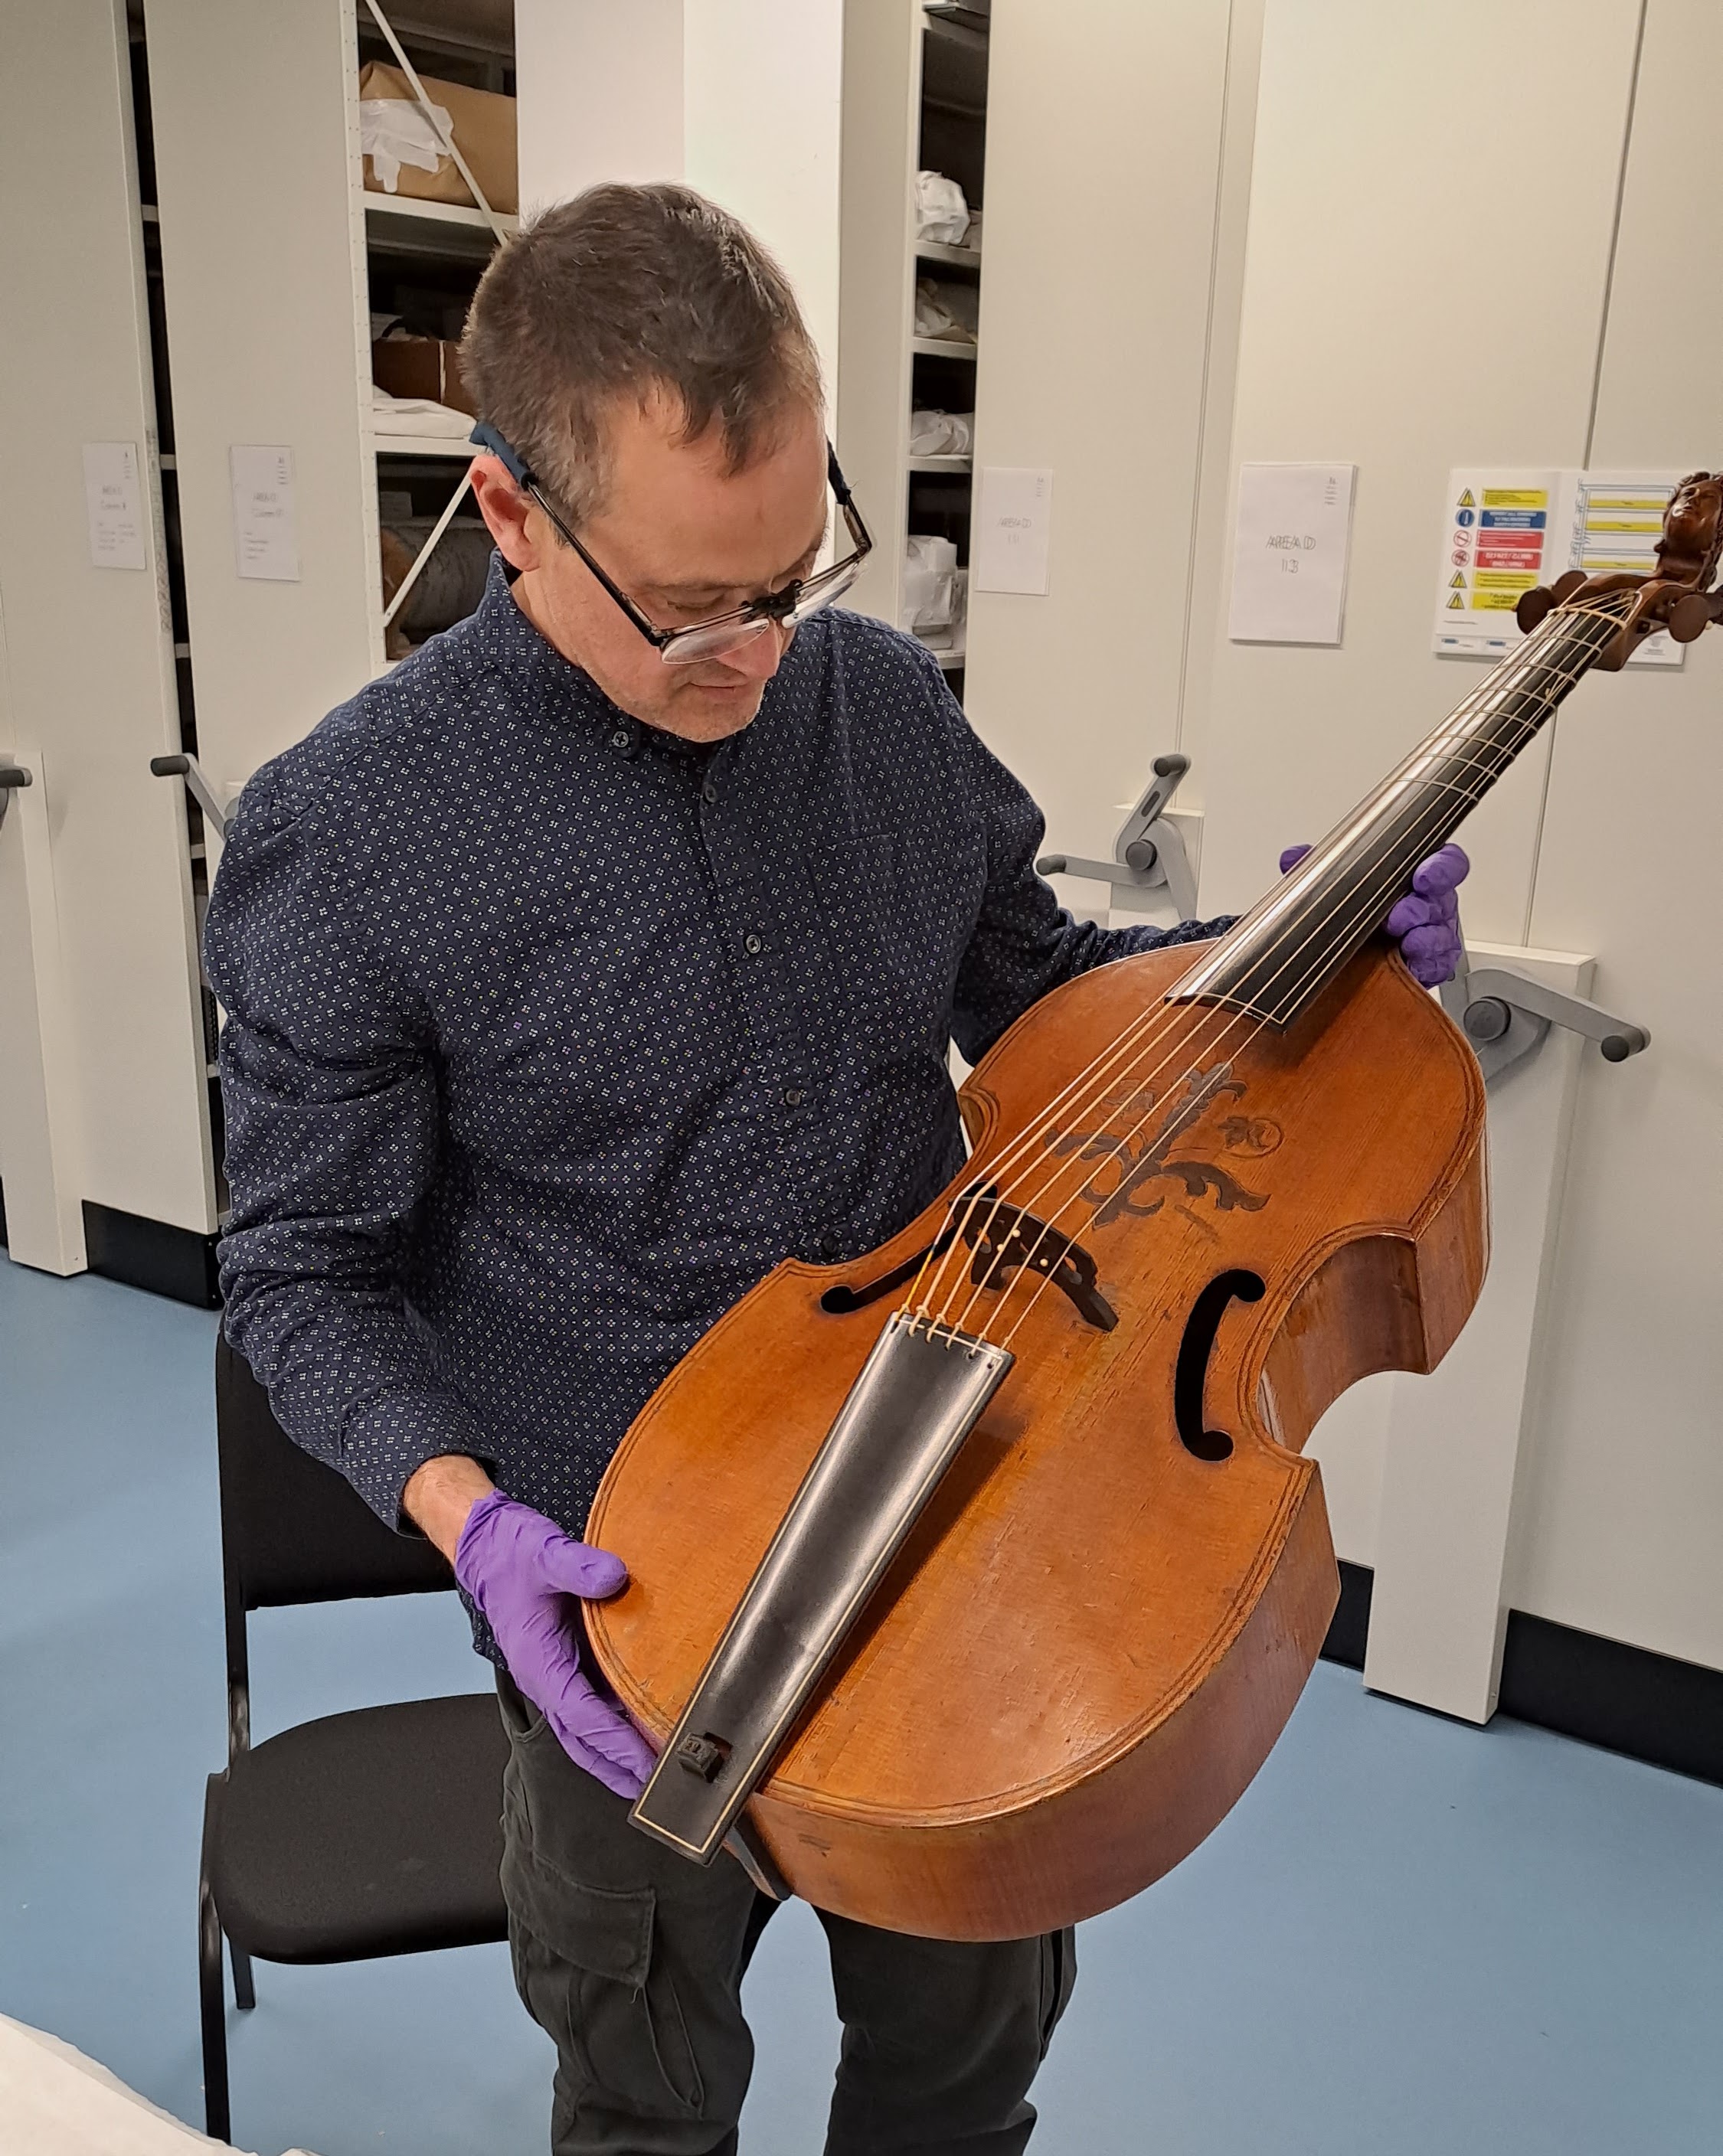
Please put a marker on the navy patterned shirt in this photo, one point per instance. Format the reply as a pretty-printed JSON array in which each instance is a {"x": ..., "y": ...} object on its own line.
[{"x": 549, "y": 1034}]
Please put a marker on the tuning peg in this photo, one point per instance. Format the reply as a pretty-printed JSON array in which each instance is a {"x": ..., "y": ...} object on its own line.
[
  {"x": 1542, "y": 598},
  {"x": 1693, "y": 613}
]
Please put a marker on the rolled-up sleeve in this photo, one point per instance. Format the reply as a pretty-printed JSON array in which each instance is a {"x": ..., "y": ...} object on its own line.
[
  {"x": 1025, "y": 943},
  {"x": 329, "y": 1089}
]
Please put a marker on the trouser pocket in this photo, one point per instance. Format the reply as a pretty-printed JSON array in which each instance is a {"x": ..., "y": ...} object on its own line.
[{"x": 588, "y": 1970}]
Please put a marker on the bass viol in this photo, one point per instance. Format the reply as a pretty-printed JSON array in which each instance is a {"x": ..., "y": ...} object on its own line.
[{"x": 971, "y": 1583}]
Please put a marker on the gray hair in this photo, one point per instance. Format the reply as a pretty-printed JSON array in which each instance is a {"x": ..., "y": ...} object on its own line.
[{"x": 630, "y": 291}]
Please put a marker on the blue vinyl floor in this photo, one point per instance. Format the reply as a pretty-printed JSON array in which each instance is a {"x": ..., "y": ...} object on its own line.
[{"x": 1412, "y": 1938}]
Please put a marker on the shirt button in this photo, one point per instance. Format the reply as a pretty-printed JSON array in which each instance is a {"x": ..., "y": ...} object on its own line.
[
  {"x": 621, "y": 738},
  {"x": 793, "y": 1096},
  {"x": 708, "y": 793},
  {"x": 828, "y": 1247},
  {"x": 752, "y": 945}
]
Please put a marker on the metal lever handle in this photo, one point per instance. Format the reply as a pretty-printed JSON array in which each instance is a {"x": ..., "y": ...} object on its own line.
[
  {"x": 1505, "y": 1015},
  {"x": 1147, "y": 852},
  {"x": 197, "y": 785},
  {"x": 13, "y": 779}
]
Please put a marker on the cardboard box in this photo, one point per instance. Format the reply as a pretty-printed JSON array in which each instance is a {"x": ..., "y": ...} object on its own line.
[
  {"x": 422, "y": 367},
  {"x": 484, "y": 127}
]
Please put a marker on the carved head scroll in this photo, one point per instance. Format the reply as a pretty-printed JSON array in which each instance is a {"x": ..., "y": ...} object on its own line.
[{"x": 1678, "y": 596}]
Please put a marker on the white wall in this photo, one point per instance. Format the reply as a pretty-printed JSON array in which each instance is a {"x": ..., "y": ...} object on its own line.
[
  {"x": 600, "y": 94},
  {"x": 740, "y": 98},
  {"x": 1108, "y": 286},
  {"x": 89, "y": 651},
  {"x": 1429, "y": 260},
  {"x": 1624, "y": 1514}
]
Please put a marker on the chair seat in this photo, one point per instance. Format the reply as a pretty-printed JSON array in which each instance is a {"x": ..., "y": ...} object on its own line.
[{"x": 377, "y": 1832}]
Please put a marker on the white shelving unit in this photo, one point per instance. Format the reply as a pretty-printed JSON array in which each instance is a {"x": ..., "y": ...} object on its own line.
[
  {"x": 300, "y": 263},
  {"x": 102, "y": 1102},
  {"x": 915, "y": 99}
]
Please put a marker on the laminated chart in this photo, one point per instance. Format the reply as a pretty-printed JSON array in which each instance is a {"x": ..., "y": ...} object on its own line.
[
  {"x": 1504, "y": 531},
  {"x": 1616, "y": 521}
]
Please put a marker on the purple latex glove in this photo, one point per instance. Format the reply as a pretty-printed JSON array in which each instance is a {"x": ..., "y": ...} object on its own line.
[
  {"x": 519, "y": 1569},
  {"x": 1426, "y": 921}
]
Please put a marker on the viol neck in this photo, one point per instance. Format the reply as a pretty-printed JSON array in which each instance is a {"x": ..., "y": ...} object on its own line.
[{"x": 1292, "y": 942}]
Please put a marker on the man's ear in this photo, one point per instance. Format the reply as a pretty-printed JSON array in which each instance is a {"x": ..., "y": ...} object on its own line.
[{"x": 516, "y": 523}]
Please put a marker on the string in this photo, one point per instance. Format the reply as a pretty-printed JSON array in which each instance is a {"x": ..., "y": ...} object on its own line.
[
  {"x": 1443, "y": 747},
  {"x": 1416, "y": 770},
  {"x": 1528, "y": 724},
  {"x": 1440, "y": 748}
]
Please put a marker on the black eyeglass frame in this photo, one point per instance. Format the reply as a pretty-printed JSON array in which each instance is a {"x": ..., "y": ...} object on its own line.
[{"x": 776, "y": 607}]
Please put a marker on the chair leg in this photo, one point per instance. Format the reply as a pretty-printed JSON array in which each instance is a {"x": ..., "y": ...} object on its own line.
[
  {"x": 244, "y": 1991},
  {"x": 218, "y": 2121},
  {"x": 212, "y": 2000}
]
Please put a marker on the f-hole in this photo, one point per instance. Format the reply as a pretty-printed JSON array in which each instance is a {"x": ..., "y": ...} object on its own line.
[{"x": 1191, "y": 1377}]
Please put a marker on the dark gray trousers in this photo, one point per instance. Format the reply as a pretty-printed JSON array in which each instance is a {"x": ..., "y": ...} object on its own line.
[{"x": 631, "y": 1960}]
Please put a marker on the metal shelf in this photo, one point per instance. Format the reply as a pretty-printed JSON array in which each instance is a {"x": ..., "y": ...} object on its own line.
[
  {"x": 420, "y": 228},
  {"x": 950, "y": 661},
  {"x": 941, "y": 348},
  {"x": 423, "y": 445},
  {"x": 941, "y": 463},
  {"x": 953, "y": 258}
]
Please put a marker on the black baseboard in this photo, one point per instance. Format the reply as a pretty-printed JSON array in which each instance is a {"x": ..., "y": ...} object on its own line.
[
  {"x": 1652, "y": 1708},
  {"x": 176, "y": 1262}
]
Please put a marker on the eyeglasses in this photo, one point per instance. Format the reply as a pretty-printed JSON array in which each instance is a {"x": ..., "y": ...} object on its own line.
[{"x": 784, "y": 609}]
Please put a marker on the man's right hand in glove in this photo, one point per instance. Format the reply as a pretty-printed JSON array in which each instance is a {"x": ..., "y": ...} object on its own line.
[{"x": 521, "y": 1569}]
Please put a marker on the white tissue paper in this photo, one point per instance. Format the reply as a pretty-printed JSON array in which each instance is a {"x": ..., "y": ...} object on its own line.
[
  {"x": 949, "y": 312},
  {"x": 941, "y": 213},
  {"x": 942, "y": 434},
  {"x": 929, "y": 582},
  {"x": 393, "y": 131}
]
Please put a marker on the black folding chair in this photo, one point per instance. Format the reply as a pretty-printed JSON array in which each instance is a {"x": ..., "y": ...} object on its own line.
[{"x": 376, "y": 1832}]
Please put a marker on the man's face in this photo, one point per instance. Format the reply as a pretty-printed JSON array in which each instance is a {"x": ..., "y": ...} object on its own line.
[{"x": 686, "y": 539}]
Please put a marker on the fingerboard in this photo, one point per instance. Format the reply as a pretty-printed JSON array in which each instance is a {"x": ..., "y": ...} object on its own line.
[{"x": 1284, "y": 952}]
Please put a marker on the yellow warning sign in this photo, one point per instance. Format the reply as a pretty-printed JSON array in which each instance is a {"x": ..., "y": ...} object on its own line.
[
  {"x": 1504, "y": 602},
  {"x": 1516, "y": 497},
  {"x": 1456, "y": 582},
  {"x": 1456, "y": 604},
  {"x": 1506, "y": 580},
  {"x": 1466, "y": 501}
]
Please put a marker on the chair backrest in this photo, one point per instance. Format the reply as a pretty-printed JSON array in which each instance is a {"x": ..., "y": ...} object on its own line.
[{"x": 293, "y": 1530}]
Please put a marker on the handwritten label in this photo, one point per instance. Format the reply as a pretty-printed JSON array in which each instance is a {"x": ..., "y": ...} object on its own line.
[
  {"x": 266, "y": 539},
  {"x": 113, "y": 501},
  {"x": 1013, "y": 531}
]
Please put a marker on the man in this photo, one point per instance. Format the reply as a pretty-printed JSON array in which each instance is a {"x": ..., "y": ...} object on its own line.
[{"x": 603, "y": 955}]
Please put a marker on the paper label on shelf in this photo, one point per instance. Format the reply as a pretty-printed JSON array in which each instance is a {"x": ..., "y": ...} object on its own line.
[
  {"x": 266, "y": 542},
  {"x": 1504, "y": 531},
  {"x": 1290, "y": 545},
  {"x": 113, "y": 500},
  {"x": 1012, "y": 547}
]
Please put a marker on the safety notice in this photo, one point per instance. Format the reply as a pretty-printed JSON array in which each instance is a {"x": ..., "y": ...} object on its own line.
[
  {"x": 1504, "y": 531},
  {"x": 1498, "y": 541}
]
